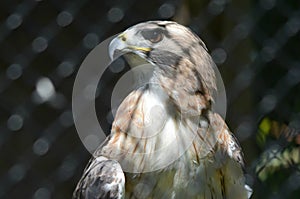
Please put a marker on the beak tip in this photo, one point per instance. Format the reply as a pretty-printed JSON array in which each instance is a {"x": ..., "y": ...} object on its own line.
[
  {"x": 111, "y": 49},
  {"x": 111, "y": 56},
  {"x": 115, "y": 47}
]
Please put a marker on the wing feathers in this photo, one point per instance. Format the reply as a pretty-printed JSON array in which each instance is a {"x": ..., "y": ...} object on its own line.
[{"x": 103, "y": 179}]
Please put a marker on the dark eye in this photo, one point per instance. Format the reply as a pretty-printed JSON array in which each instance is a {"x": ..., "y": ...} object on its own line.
[{"x": 153, "y": 35}]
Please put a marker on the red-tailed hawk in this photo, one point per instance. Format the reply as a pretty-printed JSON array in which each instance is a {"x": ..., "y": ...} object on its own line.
[{"x": 166, "y": 141}]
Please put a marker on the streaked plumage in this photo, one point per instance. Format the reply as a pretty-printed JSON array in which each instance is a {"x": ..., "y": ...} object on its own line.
[{"x": 165, "y": 138}]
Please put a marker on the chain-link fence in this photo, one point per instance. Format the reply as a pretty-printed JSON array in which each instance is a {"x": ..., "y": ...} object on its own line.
[{"x": 254, "y": 43}]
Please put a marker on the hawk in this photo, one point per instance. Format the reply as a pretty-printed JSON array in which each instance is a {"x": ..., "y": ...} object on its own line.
[{"x": 166, "y": 140}]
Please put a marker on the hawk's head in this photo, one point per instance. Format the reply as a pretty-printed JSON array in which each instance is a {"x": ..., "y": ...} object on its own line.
[{"x": 174, "y": 49}]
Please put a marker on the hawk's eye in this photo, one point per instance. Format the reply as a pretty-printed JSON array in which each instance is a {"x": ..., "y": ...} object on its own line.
[{"x": 153, "y": 35}]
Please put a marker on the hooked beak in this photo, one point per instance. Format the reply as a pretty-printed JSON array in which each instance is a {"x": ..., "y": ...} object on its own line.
[{"x": 119, "y": 46}]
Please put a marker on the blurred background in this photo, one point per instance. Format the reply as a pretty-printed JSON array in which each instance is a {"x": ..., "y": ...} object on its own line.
[{"x": 255, "y": 44}]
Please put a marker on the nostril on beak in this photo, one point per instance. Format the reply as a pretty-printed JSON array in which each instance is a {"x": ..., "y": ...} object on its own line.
[{"x": 122, "y": 37}]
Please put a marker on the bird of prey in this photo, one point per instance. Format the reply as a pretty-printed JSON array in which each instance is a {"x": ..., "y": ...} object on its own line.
[{"x": 166, "y": 140}]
